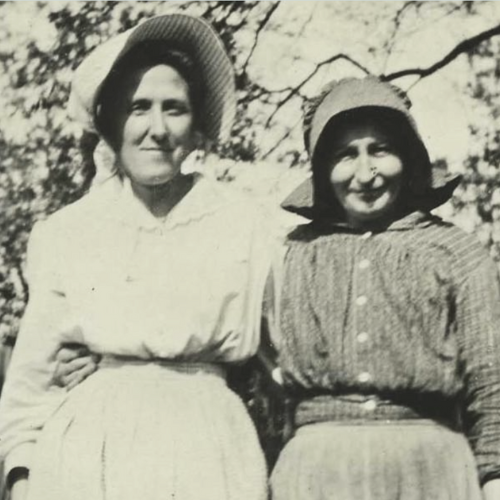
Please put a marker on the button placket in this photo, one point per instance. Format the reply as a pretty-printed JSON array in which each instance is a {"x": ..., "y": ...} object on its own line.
[
  {"x": 361, "y": 288},
  {"x": 363, "y": 264},
  {"x": 360, "y": 275}
]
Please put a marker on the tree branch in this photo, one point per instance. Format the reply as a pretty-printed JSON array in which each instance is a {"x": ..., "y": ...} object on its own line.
[
  {"x": 389, "y": 44},
  {"x": 280, "y": 141},
  {"x": 259, "y": 30},
  {"x": 296, "y": 90},
  {"x": 463, "y": 47}
]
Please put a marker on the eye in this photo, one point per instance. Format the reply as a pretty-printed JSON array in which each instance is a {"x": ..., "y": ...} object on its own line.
[
  {"x": 176, "y": 108},
  {"x": 381, "y": 149},
  {"x": 139, "y": 107},
  {"x": 344, "y": 155}
]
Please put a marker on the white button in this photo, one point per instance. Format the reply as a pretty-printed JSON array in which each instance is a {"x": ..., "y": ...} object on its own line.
[
  {"x": 361, "y": 300},
  {"x": 362, "y": 337},
  {"x": 364, "y": 377},
  {"x": 364, "y": 264},
  {"x": 370, "y": 405},
  {"x": 366, "y": 235}
]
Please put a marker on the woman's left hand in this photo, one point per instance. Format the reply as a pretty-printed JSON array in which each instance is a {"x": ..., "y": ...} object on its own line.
[
  {"x": 491, "y": 490},
  {"x": 19, "y": 489},
  {"x": 74, "y": 363}
]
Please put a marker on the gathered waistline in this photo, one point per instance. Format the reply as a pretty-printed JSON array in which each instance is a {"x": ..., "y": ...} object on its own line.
[
  {"x": 316, "y": 427},
  {"x": 109, "y": 361},
  {"x": 358, "y": 409}
]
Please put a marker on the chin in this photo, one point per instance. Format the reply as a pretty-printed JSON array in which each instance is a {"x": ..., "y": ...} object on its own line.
[
  {"x": 156, "y": 179},
  {"x": 367, "y": 215}
]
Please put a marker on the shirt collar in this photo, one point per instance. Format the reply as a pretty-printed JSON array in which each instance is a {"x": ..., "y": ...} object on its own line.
[
  {"x": 413, "y": 220},
  {"x": 202, "y": 199}
]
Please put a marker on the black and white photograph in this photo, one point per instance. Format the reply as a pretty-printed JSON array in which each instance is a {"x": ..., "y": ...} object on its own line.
[{"x": 250, "y": 250}]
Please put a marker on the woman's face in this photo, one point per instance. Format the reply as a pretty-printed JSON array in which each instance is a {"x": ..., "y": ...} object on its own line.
[
  {"x": 366, "y": 172},
  {"x": 154, "y": 125}
]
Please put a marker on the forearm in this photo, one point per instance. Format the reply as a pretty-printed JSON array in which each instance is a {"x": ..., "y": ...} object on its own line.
[
  {"x": 28, "y": 396},
  {"x": 478, "y": 318}
]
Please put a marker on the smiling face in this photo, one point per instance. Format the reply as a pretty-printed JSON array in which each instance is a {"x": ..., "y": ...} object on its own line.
[
  {"x": 366, "y": 172},
  {"x": 154, "y": 125}
]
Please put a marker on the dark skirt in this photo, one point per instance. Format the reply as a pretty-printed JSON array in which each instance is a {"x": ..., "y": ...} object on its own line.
[{"x": 407, "y": 460}]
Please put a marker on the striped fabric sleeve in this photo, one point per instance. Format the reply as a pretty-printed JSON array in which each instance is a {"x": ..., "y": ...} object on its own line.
[{"x": 478, "y": 320}]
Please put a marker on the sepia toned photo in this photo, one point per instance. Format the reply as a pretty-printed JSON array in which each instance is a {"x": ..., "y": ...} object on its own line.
[{"x": 250, "y": 250}]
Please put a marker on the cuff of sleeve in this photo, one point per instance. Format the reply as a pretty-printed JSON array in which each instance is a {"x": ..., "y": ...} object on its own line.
[{"x": 19, "y": 457}]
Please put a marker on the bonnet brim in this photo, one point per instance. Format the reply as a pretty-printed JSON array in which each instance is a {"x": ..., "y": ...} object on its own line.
[
  {"x": 188, "y": 33},
  {"x": 301, "y": 200}
]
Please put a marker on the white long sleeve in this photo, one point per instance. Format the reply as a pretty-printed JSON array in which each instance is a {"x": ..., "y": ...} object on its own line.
[{"x": 29, "y": 396}]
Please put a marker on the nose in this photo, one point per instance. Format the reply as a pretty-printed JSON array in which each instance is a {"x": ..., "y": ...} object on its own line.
[
  {"x": 157, "y": 127},
  {"x": 365, "y": 169}
]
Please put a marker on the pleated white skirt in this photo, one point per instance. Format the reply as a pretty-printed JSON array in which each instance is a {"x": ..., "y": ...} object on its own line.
[{"x": 150, "y": 431}]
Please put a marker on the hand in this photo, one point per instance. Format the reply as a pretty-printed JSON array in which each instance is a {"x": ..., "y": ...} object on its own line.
[
  {"x": 74, "y": 363},
  {"x": 19, "y": 489},
  {"x": 491, "y": 490}
]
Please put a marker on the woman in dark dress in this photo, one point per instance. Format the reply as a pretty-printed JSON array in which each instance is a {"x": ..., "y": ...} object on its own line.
[{"x": 389, "y": 331}]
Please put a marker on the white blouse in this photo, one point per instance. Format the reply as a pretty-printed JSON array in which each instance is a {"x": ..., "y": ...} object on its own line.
[{"x": 106, "y": 273}]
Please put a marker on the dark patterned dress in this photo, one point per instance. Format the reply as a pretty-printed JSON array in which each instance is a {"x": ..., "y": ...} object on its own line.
[{"x": 390, "y": 346}]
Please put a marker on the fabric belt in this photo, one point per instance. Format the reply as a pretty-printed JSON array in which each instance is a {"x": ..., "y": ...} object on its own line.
[
  {"x": 180, "y": 367},
  {"x": 359, "y": 408}
]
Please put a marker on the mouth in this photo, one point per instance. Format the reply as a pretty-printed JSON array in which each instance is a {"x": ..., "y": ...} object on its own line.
[
  {"x": 157, "y": 154},
  {"x": 369, "y": 194}
]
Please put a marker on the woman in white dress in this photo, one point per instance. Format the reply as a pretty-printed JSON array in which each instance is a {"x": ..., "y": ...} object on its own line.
[{"x": 158, "y": 272}]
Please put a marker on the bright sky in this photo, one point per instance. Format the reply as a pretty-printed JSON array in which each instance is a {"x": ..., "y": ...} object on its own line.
[
  {"x": 440, "y": 104},
  {"x": 305, "y": 31}
]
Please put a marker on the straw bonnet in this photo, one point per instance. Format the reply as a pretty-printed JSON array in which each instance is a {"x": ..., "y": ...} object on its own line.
[{"x": 192, "y": 35}]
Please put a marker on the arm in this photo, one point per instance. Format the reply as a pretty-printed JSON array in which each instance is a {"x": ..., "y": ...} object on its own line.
[
  {"x": 478, "y": 322},
  {"x": 29, "y": 395},
  {"x": 267, "y": 354}
]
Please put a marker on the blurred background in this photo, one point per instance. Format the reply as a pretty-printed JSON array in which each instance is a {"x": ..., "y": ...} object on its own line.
[{"x": 446, "y": 55}]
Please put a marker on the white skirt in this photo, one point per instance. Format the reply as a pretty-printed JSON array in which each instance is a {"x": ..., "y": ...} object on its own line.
[{"x": 150, "y": 431}]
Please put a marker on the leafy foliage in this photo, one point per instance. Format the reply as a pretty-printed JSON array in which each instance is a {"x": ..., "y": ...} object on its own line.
[
  {"x": 46, "y": 161},
  {"x": 480, "y": 190}
]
